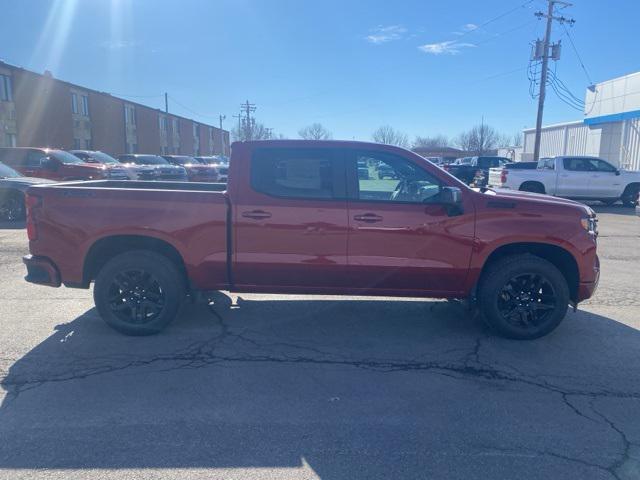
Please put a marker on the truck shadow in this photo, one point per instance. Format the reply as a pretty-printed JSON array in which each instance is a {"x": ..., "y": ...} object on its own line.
[
  {"x": 293, "y": 384},
  {"x": 6, "y": 225},
  {"x": 616, "y": 209}
]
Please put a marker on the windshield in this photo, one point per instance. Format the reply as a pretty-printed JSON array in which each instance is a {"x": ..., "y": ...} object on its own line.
[
  {"x": 64, "y": 157},
  {"x": 149, "y": 160},
  {"x": 8, "y": 172},
  {"x": 103, "y": 157},
  {"x": 182, "y": 159}
]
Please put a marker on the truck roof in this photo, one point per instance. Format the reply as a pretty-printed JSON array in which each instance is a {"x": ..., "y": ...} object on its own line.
[{"x": 297, "y": 143}]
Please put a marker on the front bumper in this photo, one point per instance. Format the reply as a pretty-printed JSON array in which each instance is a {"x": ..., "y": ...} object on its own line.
[
  {"x": 587, "y": 289},
  {"x": 41, "y": 271}
]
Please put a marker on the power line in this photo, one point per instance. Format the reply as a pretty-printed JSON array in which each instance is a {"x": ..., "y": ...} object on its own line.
[
  {"x": 207, "y": 115},
  {"x": 584, "y": 69},
  {"x": 134, "y": 96},
  {"x": 502, "y": 15}
]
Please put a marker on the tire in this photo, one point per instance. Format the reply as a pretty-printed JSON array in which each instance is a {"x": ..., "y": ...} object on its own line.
[
  {"x": 533, "y": 187},
  {"x": 139, "y": 292},
  {"x": 630, "y": 196},
  {"x": 12, "y": 207},
  {"x": 523, "y": 297}
]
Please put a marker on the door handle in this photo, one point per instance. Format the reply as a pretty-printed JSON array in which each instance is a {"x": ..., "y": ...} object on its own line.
[
  {"x": 256, "y": 214},
  {"x": 368, "y": 218}
]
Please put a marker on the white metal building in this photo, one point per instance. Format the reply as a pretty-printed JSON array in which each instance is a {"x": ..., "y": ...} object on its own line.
[{"x": 610, "y": 128}]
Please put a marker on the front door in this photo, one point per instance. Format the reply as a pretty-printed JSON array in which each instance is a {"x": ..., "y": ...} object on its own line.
[
  {"x": 574, "y": 179},
  {"x": 605, "y": 180},
  {"x": 401, "y": 239},
  {"x": 291, "y": 221}
]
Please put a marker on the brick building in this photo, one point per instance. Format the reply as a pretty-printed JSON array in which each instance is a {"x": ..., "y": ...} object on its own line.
[{"x": 41, "y": 111}]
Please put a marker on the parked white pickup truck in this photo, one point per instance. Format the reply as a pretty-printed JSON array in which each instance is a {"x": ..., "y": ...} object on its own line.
[{"x": 579, "y": 178}]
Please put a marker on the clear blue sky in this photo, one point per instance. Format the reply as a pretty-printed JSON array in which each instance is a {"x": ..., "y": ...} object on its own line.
[{"x": 350, "y": 64}]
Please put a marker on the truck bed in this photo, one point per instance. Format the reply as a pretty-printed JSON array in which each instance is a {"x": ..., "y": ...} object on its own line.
[{"x": 77, "y": 217}]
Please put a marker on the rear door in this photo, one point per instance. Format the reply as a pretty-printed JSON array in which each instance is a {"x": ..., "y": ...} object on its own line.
[
  {"x": 290, "y": 222},
  {"x": 574, "y": 179},
  {"x": 401, "y": 239}
]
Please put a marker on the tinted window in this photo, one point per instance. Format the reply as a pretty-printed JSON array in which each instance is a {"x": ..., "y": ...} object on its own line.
[
  {"x": 294, "y": 173},
  {"x": 149, "y": 160},
  {"x": 603, "y": 166},
  {"x": 64, "y": 157},
  {"x": 34, "y": 159},
  {"x": 394, "y": 179},
  {"x": 579, "y": 165}
]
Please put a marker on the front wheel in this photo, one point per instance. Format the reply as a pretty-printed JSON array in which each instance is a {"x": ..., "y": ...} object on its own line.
[
  {"x": 139, "y": 292},
  {"x": 630, "y": 196},
  {"x": 523, "y": 297}
]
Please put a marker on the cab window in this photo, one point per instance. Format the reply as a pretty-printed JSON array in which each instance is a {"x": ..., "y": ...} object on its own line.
[
  {"x": 297, "y": 173},
  {"x": 390, "y": 178}
]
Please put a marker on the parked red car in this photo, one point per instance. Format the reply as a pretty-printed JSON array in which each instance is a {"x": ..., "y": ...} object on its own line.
[
  {"x": 196, "y": 171},
  {"x": 296, "y": 218},
  {"x": 51, "y": 164}
]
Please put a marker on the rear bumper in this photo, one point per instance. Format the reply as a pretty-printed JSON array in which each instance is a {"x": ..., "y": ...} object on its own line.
[{"x": 41, "y": 271}]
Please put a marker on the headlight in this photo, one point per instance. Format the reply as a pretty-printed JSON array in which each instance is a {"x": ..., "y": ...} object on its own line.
[{"x": 590, "y": 224}]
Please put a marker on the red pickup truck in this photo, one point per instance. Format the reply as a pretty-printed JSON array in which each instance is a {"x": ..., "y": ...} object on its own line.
[{"x": 296, "y": 217}]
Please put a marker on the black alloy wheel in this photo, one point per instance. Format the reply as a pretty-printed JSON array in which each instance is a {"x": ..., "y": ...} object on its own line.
[
  {"x": 136, "y": 297},
  {"x": 527, "y": 300}
]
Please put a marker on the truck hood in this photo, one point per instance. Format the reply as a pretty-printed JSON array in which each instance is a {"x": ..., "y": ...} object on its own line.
[
  {"x": 22, "y": 183},
  {"x": 84, "y": 169},
  {"x": 507, "y": 194}
]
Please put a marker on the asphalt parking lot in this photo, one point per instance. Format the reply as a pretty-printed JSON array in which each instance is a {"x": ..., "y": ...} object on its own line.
[{"x": 319, "y": 387}]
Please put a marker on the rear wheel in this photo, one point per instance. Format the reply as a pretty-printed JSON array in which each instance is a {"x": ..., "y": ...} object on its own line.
[
  {"x": 523, "y": 297},
  {"x": 630, "y": 196},
  {"x": 12, "y": 206},
  {"x": 139, "y": 292},
  {"x": 533, "y": 187}
]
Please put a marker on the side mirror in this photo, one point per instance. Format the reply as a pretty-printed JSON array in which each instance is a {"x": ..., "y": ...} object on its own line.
[
  {"x": 49, "y": 163},
  {"x": 451, "y": 199},
  {"x": 617, "y": 172},
  {"x": 451, "y": 196}
]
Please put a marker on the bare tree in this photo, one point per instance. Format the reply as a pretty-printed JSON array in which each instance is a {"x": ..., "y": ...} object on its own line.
[
  {"x": 516, "y": 139},
  {"x": 480, "y": 139},
  {"x": 439, "y": 141},
  {"x": 252, "y": 131},
  {"x": 386, "y": 134},
  {"x": 315, "y": 131}
]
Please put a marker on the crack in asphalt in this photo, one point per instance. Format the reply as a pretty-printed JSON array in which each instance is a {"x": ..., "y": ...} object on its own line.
[{"x": 206, "y": 353}]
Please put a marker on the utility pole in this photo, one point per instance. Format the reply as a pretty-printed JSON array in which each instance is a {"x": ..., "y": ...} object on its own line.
[
  {"x": 248, "y": 122},
  {"x": 222, "y": 149},
  {"x": 166, "y": 102},
  {"x": 239, "y": 117},
  {"x": 541, "y": 51}
]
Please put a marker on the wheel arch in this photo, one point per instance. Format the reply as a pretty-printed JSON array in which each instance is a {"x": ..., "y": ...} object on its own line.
[
  {"x": 561, "y": 258},
  {"x": 532, "y": 182},
  {"x": 105, "y": 248},
  {"x": 630, "y": 186}
]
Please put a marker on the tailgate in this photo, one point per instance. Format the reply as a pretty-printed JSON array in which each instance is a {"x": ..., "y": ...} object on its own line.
[{"x": 495, "y": 176}]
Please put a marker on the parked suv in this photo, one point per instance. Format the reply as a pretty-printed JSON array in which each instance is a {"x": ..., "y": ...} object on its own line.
[
  {"x": 196, "y": 171},
  {"x": 154, "y": 167},
  {"x": 220, "y": 163},
  {"x": 117, "y": 171},
  {"x": 51, "y": 164}
]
